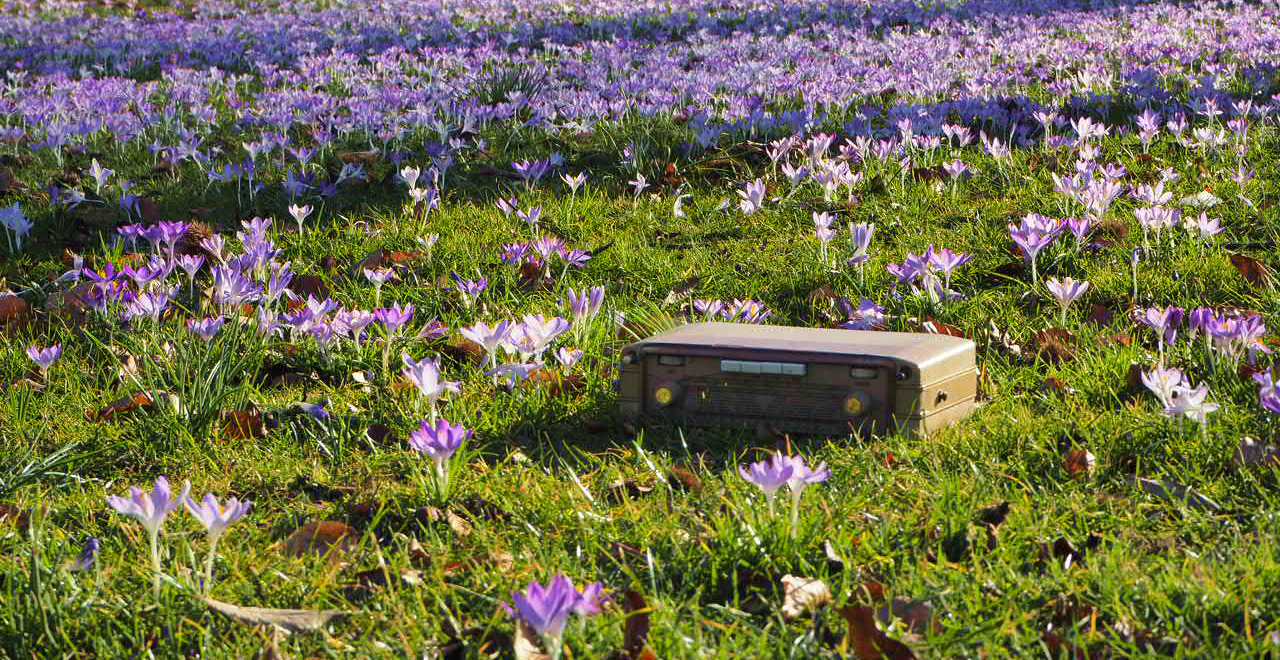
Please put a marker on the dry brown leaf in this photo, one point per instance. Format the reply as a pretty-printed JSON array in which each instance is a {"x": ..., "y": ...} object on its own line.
[
  {"x": 635, "y": 630},
  {"x": 803, "y": 595},
  {"x": 865, "y": 641},
  {"x": 917, "y": 614},
  {"x": 243, "y": 425},
  {"x": 135, "y": 401},
  {"x": 359, "y": 157},
  {"x": 309, "y": 285},
  {"x": 1078, "y": 463},
  {"x": 1250, "y": 269},
  {"x": 684, "y": 478},
  {"x": 1055, "y": 345},
  {"x": 290, "y": 621},
  {"x": 933, "y": 326},
  {"x": 623, "y": 489},
  {"x": 12, "y": 308},
  {"x": 320, "y": 538},
  {"x": 526, "y": 644}
]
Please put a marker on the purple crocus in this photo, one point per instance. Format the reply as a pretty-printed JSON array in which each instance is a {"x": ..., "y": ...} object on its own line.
[
  {"x": 205, "y": 328},
  {"x": 439, "y": 441},
  {"x": 769, "y": 475},
  {"x": 490, "y": 338},
  {"x": 1165, "y": 323},
  {"x": 547, "y": 609},
  {"x": 1033, "y": 234},
  {"x": 947, "y": 261},
  {"x": 393, "y": 317},
  {"x": 44, "y": 357},
  {"x": 425, "y": 375},
  {"x": 215, "y": 517},
  {"x": 801, "y": 476},
  {"x": 1066, "y": 291},
  {"x": 151, "y": 509}
]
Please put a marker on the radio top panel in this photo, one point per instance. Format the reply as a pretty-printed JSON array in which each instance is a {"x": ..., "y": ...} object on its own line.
[{"x": 929, "y": 356}]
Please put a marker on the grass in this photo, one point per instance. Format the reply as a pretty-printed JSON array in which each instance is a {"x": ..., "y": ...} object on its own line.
[{"x": 1161, "y": 577}]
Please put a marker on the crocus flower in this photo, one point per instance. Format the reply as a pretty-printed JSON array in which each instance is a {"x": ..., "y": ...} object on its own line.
[
  {"x": 769, "y": 475},
  {"x": 394, "y": 316},
  {"x": 299, "y": 214},
  {"x": 752, "y": 197},
  {"x": 1164, "y": 383},
  {"x": 488, "y": 337},
  {"x": 425, "y": 375},
  {"x": 568, "y": 356},
  {"x": 947, "y": 261},
  {"x": 801, "y": 476},
  {"x": 1066, "y": 291},
  {"x": 1165, "y": 323},
  {"x": 151, "y": 509},
  {"x": 44, "y": 357},
  {"x": 215, "y": 518},
  {"x": 546, "y": 609},
  {"x": 860, "y": 235},
  {"x": 88, "y": 555},
  {"x": 1191, "y": 402},
  {"x": 439, "y": 441},
  {"x": 205, "y": 328}
]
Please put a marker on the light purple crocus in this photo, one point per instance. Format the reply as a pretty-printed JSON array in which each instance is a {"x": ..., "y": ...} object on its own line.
[
  {"x": 215, "y": 517},
  {"x": 205, "y": 328},
  {"x": 44, "y": 357},
  {"x": 151, "y": 509},
  {"x": 547, "y": 609},
  {"x": 1165, "y": 323},
  {"x": 1066, "y": 291},
  {"x": 801, "y": 476},
  {"x": 490, "y": 338},
  {"x": 752, "y": 197},
  {"x": 769, "y": 475},
  {"x": 425, "y": 375},
  {"x": 439, "y": 441}
]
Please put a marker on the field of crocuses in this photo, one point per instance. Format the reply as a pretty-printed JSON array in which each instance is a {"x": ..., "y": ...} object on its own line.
[{"x": 311, "y": 314}]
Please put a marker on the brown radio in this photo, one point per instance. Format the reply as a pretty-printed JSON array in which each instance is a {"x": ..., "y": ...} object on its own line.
[{"x": 799, "y": 380}]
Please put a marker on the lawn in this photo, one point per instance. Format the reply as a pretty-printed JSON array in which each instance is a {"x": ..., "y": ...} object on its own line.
[{"x": 370, "y": 267}]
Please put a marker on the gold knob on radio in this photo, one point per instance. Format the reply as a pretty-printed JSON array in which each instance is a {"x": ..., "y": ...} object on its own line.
[
  {"x": 666, "y": 394},
  {"x": 855, "y": 404}
]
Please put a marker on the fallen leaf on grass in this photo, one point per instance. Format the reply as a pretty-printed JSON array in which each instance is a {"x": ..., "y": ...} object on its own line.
[
  {"x": 460, "y": 526},
  {"x": 290, "y": 621},
  {"x": 12, "y": 307},
  {"x": 555, "y": 382},
  {"x": 635, "y": 629},
  {"x": 1055, "y": 345},
  {"x": 320, "y": 538},
  {"x": 1078, "y": 463},
  {"x": 682, "y": 478},
  {"x": 526, "y": 644},
  {"x": 309, "y": 286},
  {"x": 1070, "y": 555},
  {"x": 803, "y": 595},
  {"x": 865, "y": 641},
  {"x": 243, "y": 425},
  {"x": 935, "y": 327},
  {"x": 1250, "y": 269},
  {"x": 916, "y": 614},
  {"x": 135, "y": 401},
  {"x": 1172, "y": 491},
  {"x": 624, "y": 489}
]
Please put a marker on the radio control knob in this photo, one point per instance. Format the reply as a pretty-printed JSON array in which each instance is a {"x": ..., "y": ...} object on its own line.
[
  {"x": 667, "y": 394},
  {"x": 855, "y": 404}
]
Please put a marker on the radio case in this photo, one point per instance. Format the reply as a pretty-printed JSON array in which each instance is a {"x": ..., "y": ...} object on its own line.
[{"x": 799, "y": 380}]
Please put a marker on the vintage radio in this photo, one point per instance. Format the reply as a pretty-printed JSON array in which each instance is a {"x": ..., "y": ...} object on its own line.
[{"x": 799, "y": 380}]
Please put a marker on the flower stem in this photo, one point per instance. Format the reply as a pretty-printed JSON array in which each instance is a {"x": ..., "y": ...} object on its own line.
[
  {"x": 208, "y": 565},
  {"x": 155, "y": 564}
]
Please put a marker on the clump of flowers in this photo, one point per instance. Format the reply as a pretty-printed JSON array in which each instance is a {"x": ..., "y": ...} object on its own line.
[
  {"x": 1033, "y": 234},
  {"x": 425, "y": 375},
  {"x": 780, "y": 470},
  {"x": 546, "y": 609}
]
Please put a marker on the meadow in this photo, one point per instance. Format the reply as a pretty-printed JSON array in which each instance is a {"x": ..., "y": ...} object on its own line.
[{"x": 311, "y": 312}]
